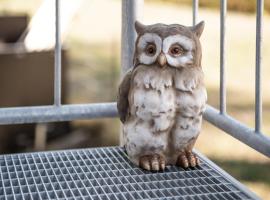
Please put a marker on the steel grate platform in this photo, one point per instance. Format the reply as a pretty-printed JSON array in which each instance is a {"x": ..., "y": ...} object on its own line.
[{"x": 106, "y": 173}]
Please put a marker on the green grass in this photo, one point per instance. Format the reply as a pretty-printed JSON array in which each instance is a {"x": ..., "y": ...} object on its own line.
[
  {"x": 245, "y": 170},
  {"x": 94, "y": 72}
]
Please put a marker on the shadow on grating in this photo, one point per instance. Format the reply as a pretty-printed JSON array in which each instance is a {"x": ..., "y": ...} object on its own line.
[{"x": 105, "y": 173}]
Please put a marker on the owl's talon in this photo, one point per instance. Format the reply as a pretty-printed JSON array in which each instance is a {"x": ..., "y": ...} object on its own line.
[
  {"x": 191, "y": 159},
  {"x": 187, "y": 159},
  {"x": 197, "y": 160},
  {"x": 162, "y": 164},
  {"x": 182, "y": 161},
  {"x": 144, "y": 163},
  {"x": 152, "y": 162}
]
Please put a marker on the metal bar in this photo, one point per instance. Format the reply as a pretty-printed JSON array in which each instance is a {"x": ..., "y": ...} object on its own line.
[
  {"x": 226, "y": 175},
  {"x": 238, "y": 130},
  {"x": 38, "y": 114},
  {"x": 57, "y": 56},
  {"x": 258, "y": 95},
  {"x": 195, "y": 6},
  {"x": 106, "y": 173},
  {"x": 41, "y": 131},
  {"x": 222, "y": 98},
  {"x": 131, "y": 11}
]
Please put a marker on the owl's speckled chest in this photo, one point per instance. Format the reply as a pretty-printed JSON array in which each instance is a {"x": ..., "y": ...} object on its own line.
[
  {"x": 158, "y": 92},
  {"x": 152, "y": 95},
  {"x": 162, "y": 110}
]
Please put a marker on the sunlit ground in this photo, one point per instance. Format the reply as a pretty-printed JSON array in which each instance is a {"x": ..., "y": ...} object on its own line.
[{"x": 93, "y": 42}]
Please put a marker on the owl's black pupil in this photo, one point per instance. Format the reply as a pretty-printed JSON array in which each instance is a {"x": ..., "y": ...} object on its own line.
[
  {"x": 150, "y": 50},
  {"x": 176, "y": 50}
]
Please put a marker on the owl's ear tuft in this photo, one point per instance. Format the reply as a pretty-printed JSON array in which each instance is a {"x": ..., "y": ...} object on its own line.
[
  {"x": 139, "y": 27},
  {"x": 198, "y": 29}
]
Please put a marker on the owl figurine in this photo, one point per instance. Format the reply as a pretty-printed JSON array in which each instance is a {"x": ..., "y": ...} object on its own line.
[{"x": 162, "y": 98}]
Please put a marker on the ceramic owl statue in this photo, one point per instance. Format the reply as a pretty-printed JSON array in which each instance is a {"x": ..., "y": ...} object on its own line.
[{"x": 162, "y": 98}]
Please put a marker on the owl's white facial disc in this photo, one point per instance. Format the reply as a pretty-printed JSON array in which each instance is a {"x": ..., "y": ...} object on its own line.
[
  {"x": 185, "y": 58},
  {"x": 144, "y": 42}
]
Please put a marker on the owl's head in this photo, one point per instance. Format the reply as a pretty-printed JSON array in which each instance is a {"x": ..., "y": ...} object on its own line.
[{"x": 168, "y": 45}]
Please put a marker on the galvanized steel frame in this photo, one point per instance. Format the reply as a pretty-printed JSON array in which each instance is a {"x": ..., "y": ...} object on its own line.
[
  {"x": 106, "y": 173},
  {"x": 130, "y": 12}
]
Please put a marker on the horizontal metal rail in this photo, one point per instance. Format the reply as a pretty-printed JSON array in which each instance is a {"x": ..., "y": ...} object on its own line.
[
  {"x": 38, "y": 114},
  {"x": 238, "y": 130}
]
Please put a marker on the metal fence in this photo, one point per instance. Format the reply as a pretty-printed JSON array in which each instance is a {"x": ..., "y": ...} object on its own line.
[{"x": 130, "y": 11}]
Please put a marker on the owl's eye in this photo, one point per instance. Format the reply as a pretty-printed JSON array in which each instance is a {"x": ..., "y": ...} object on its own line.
[
  {"x": 150, "y": 49},
  {"x": 176, "y": 50}
]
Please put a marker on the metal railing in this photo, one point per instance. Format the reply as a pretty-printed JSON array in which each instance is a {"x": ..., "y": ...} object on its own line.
[
  {"x": 130, "y": 12},
  {"x": 252, "y": 137}
]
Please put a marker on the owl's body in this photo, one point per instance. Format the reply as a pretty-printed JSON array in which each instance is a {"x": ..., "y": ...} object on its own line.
[{"x": 161, "y": 100}]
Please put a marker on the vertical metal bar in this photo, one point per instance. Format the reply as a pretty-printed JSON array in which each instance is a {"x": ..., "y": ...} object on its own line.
[
  {"x": 258, "y": 96},
  {"x": 195, "y": 6},
  {"x": 131, "y": 10},
  {"x": 222, "y": 98},
  {"x": 41, "y": 130},
  {"x": 57, "y": 56}
]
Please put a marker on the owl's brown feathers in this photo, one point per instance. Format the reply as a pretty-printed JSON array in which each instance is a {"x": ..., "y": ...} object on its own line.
[
  {"x": 164, "y": 30},
  {"x": 162, "y": 98},
  {"x": 122, "y": 98}
]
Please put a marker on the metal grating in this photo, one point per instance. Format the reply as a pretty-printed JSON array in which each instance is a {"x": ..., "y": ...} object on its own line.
[{"x": 106, "y": 173}]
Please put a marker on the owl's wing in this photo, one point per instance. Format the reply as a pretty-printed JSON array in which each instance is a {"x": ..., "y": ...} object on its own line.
[{"x": 122, "y": 98}]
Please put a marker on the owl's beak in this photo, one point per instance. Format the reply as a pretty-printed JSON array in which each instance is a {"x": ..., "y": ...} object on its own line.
[{"x": 162, "y": 60}]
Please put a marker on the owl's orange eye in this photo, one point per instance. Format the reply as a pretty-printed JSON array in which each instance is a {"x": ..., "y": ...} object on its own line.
[
  {"x": 150, "y": 49},
  {"x": 176, "y": 50}
]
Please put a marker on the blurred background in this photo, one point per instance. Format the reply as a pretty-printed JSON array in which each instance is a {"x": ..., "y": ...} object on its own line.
[{"x": 91, "y": 36}]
